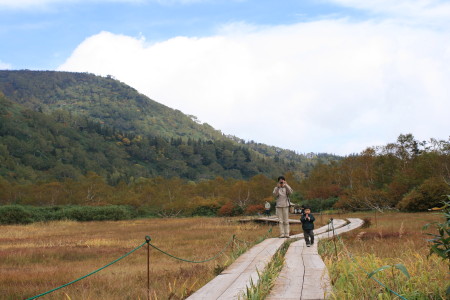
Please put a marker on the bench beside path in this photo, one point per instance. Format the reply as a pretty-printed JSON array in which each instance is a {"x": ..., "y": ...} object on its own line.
[
  {"x": 304, "y": 275},
  {"x": 233, "y": 281}
]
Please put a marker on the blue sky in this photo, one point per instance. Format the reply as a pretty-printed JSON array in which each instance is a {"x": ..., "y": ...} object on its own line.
[
  {"x": 335, "y": 75},
  {"x": 42, "y": 34}
]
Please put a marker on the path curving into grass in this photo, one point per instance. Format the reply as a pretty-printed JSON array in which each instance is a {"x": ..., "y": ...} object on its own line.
[{"x": 233, "y": 282}]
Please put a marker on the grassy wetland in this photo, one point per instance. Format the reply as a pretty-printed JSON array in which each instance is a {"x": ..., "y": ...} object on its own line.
[
  {"x": 41, "y": 256},
  {"x": 37, "y": 257},
  {"x": 394, "y": 238}
]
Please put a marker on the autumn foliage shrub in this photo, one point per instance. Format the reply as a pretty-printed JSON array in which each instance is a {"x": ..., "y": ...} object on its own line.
[
  {"x": 254, "y": 209},
  {"x": 229, "y": 209},
  {"x": 226, "y": 210}
]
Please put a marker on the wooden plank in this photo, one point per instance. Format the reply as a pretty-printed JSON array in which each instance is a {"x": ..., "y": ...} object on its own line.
[
  {"x": 233, "y": 281},
  {"x": 315, "y": 283},
  {"x": 290, "y": 281},
  {"x": 217, "y": 286},
  {"x": 258, "y": 263}
]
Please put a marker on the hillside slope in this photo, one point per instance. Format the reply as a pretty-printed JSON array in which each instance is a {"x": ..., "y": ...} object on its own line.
[
  {"x": 127, "y": 134},
  {"x": 35, "y": 146},
  {"x": 103, "y": 99}
]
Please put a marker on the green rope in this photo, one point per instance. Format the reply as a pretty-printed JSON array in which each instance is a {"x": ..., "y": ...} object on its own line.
[
  {"x": 372, "y": 277},
  {"x": 147, "y": 240},
  {"x": 193, "y": 261},
  {"x": 263, "y": 237}
]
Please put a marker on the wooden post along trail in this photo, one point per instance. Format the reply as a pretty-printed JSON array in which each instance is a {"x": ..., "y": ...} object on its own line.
[{"x": 304, "y": 275}]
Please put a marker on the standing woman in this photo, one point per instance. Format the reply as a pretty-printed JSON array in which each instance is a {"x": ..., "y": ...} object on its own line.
[{"x": 282, "y": 192}]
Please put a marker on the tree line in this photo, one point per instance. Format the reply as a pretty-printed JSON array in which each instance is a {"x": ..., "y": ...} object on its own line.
[
  {"x": 155, "y": 196},
  {"x": 409, "y": 175}
]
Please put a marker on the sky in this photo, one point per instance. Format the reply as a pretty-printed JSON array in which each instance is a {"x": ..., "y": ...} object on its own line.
[{"x": 333, "y": 76}]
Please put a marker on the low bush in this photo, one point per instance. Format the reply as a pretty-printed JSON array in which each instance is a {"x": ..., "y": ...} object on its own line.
[
  {"x": 428, "y": 195},
  {"x": 205, "y": 210},
  {"x": 15, "y": 214},
  {"x": 18, "y": 214},
  {"x": 318, "y": 205}
]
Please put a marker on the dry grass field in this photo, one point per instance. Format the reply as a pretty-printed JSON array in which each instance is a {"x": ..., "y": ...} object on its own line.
[
  {"x": 394, "y": 238},
  {"x": 38, "y": 257}
]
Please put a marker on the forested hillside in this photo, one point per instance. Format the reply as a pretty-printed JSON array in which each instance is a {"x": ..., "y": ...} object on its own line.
[
  {"x": 42, "y": 147},
  {"x": 101, "y": 99},
  {"x": 58, "y": 125}
]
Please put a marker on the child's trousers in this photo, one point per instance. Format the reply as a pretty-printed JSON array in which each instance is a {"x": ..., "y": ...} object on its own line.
[{"x": 309, "y": 236}]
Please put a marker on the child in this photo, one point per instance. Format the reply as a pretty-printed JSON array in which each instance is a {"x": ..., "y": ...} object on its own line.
[{"x": 307, "y": 220}]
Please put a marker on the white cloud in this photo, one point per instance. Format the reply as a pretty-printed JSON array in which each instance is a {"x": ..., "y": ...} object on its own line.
[
  {"x": 324, "y": 86},
  {"x": 5, "y": 66},
  {"x": 412, "y": 11}
]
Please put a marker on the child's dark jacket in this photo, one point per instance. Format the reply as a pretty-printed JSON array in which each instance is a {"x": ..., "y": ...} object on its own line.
[{"x": 307, "y": 224}]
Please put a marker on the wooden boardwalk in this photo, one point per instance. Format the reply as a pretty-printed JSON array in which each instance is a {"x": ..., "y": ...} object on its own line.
[
  {"x": 304, "y": 275},
  {"x": 232, "y": 283}
]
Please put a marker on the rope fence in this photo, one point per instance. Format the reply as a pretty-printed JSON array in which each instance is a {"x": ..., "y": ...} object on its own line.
[
  {"x": 92, "y": 273},
  {"x": 148, "y": 239},
  {"x": 193, "y": 261}
]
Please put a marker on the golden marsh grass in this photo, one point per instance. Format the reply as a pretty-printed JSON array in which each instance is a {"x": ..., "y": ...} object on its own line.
[
  {"x": 38, "y": 257},
  {"x": 395, "y": 238}
]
